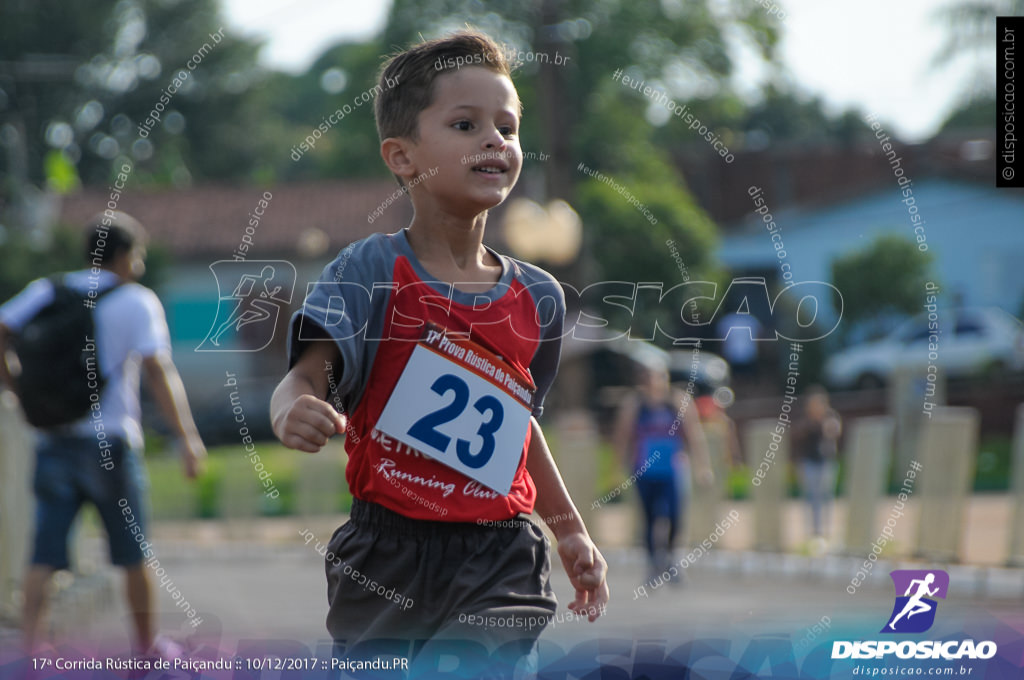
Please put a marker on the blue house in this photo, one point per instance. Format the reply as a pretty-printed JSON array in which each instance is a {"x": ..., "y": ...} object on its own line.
[{"x": 975, "y": 234}]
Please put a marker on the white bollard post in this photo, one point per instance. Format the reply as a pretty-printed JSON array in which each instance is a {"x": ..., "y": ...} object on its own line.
[
  {"x": 1017, "y": 493},
  {"x": 867, "y": 463},
  {"x": 948, "y": 447},
  {"x": 16, "y": 502},
  {"x": 769, "y": 479},
  {"x": 706, "y": 501},
  {"x": 576, "y": 457}
]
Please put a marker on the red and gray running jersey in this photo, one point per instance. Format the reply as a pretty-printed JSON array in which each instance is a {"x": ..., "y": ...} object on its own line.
[{"x": 375, "y": 302}]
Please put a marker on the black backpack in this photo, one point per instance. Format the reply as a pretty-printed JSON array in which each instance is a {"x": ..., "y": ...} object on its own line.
[{"x": 60, "y": 369}]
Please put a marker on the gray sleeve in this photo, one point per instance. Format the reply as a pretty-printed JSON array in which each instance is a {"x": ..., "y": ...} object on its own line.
[
  {"x": 549, "y": 301},
  {"x": 338, "y": 308}
]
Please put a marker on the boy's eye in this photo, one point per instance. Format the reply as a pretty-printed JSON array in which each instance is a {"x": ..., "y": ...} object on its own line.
[
  {"x": 507, "y": 131},
  {"x": 463, "y": 125}
]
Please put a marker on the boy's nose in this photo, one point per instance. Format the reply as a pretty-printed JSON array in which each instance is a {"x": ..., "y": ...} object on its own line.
[{"x": 495, "y": 140}]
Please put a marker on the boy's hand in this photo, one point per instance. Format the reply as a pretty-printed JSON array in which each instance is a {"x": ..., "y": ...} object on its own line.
[
  {"x": 308, "y": 423},
  {"x": 587, "y": 570}
]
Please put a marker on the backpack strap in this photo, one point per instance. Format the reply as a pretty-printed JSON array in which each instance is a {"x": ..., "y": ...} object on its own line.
[{"x": 57, "y": 281}]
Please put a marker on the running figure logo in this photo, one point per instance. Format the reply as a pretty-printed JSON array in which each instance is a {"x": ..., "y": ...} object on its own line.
[
  {"x": 259, "y": 290},
  {"x": 914, "y": 611}
]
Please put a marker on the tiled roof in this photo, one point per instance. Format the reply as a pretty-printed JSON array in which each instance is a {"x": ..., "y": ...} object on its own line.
[{"x": 210, "y": 220}]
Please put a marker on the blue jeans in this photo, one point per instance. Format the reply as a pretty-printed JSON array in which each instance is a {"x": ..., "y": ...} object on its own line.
[
  {"x": 71, "y": 470},
  {"x": 818, "y": 479}
]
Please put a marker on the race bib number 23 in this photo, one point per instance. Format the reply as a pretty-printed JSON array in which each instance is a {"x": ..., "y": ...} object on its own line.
[{"x": 461, "y": 405}]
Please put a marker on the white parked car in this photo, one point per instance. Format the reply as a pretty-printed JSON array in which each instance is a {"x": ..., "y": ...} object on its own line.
[{"x": 971, "y": 342}]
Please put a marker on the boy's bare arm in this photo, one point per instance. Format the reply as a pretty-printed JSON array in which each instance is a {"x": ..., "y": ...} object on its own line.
[
  {"x": 298, "y": 413},
  {"x": 581, "y": 559}
]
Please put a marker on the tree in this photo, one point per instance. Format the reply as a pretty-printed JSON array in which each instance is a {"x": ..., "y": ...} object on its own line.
[
  {"x": 971, "y": 33},
  {"x": 786, "y": 115},
  {"x": 577, "y": 111},
  {"x": 78, "y": 79},
  {"x": 885, "y": 278}
]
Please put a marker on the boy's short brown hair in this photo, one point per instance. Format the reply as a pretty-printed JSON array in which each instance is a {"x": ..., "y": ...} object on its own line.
[{"x": 406, "y": 82}]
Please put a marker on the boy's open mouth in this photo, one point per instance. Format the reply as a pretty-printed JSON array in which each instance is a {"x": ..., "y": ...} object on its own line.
[{"x": 491, "y": 168}]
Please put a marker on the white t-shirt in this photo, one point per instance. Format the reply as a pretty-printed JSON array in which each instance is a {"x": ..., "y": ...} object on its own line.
[{"x": 130, "y": 325}]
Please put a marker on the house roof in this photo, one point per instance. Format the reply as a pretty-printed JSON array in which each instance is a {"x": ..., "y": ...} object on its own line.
[
  {"x": 829, "y": 174},
  {"x": 973, "y": 233},
  {"x": 210, "y": 220}
]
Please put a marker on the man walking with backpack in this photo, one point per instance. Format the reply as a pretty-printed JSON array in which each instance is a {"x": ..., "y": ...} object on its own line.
[{"x": 72, "y": 347}]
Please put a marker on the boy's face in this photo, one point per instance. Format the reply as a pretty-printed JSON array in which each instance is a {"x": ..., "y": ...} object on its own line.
[{"x": 468, "y": 141}]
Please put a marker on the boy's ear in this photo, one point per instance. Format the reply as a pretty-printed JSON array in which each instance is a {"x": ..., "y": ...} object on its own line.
[{"x": 394, "y": 151}]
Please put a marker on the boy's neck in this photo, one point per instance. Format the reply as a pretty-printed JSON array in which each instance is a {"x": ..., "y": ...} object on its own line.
[{"x": 452, "y": 250}]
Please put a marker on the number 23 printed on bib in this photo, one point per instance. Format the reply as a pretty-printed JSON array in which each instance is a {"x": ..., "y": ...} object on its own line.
[{"x": 460, "y": 405}]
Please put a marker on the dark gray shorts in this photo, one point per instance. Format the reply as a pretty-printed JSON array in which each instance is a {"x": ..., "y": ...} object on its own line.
[{"x": 392, "y": 577}]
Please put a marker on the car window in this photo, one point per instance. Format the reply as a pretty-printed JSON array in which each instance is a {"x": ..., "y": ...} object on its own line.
[
  {"x": 918, "y": 334},
  {"x": 969, "y": 328}
]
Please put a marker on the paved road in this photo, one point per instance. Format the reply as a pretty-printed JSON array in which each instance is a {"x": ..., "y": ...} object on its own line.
[
  {"x": 257, "y": 597},
  {"x": 248, "y": 590}
]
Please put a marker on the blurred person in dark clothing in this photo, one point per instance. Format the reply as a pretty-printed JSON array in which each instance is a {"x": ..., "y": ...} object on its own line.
[
  {"x": 815, "y": 450},
  {"x": 657, "y": 432}
]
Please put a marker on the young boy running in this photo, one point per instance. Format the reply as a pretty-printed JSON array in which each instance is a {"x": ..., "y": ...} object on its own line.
[{"x": 440, "y": 351}]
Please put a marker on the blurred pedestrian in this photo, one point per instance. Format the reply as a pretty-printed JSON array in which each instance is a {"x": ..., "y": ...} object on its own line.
[
  {"x": 738, "y": 333},
  {"x": 657, "y": 433},
  {"x": 815, "y": 451},
  {"x": 712, "y": 403},
  {"x": 95, "y": 454}
]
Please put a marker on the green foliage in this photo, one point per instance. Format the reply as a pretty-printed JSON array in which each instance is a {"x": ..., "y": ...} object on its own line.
[
  {"x": 97, "y": 69},
  {"x": 61, "y": 175},
  {"x": 203, "y": 497},
  {"x": 995, "y": 462},
  {"x": 578, "y": 112},
  {"x": 27, "y": 258},
  {"x": 622, "y": 236},
  {"x": 785, "y": 115},
  {"x": 973, "y": 115},
  {"x": 886, "y": 277}
]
